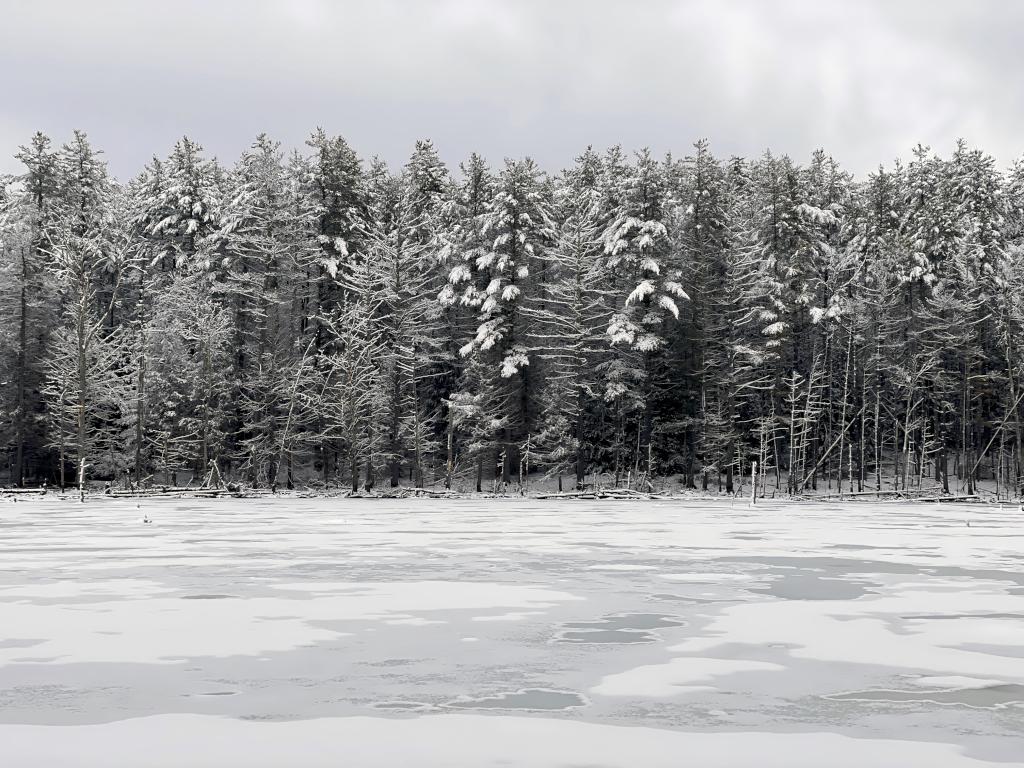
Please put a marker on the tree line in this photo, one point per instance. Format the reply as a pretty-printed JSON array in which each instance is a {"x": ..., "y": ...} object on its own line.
[{"x": 311, "y": 318}]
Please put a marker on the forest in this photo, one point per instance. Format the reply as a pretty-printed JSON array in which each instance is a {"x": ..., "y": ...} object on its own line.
[{"x": 310, "y": 318}]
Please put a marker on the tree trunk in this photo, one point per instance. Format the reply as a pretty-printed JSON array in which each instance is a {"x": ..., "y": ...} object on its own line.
[
  {"x": 82, "y": 385},
  {"x": 507, "y": 456},
  {"x": 450, "y": 459},
  {"x": 207, "y": 374},
  {"x": 18, "y": 471},
  {"x": 140, "y": 395},
  {"x": 580, "y": 461}
]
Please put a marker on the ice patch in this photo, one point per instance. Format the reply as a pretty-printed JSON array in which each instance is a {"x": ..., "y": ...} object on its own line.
[
  {"x": 413, "y": 621},
  {"x": 77, "y": 590},
  {"x": 864, "y": 631},
  {"x": 988, "y": 697},
  {"x": 512, "y": 616},
  {"x": 164, "y": 629},
  {"x": 537, "y": 699},
  {"x": 955, "y": 681},
  {"x": 686, "y": 674},
  {"x": 402, "y": 706},
  {"x": 624, "y": 567},
  {"x": 705, "y": 578}
]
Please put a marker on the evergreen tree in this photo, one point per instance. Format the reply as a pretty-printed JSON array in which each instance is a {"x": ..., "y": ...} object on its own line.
[
  {"x": 569, "y": 328},
  {"x": 469, "y": 426},
  {"x": 87, "y": 375},
  {"x": 518, "y": 223},
  {"x": 639, "y": 251},
  {"x": 24, "y": 220}
]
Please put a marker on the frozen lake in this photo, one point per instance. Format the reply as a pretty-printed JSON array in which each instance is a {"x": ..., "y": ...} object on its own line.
[{"x": 301, "y": 632}]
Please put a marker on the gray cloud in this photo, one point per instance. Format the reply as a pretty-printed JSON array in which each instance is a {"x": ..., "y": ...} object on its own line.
[{"x": 866, "y": 80}]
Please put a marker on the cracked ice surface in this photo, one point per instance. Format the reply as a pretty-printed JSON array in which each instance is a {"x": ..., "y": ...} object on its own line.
[{"x": 470, "y": 633}]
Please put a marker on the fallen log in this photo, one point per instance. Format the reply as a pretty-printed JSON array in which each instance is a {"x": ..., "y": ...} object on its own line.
[{"x": 177, "y": 493}]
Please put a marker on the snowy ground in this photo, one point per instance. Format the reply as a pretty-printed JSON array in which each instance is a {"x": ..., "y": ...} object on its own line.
[{"x": 518, "y": 633}]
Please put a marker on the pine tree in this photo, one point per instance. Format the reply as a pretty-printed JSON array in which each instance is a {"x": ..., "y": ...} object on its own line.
[
  {"x": 569, "y": 328},
  {"x": 469, "y": 427},
  {"x": 518, "y": 223},
  {"x": 638, "y": 250},
  {"x": 350, "y": 388},
  {"x": 182, "y": 207},
  {"x": 266, "y": 239},
  {"x": 24, "y": 220},
  {"x": 337, "y": 183},
  {"x": 700, "y": 345},
  {"x": 189, "y": 391},
  {"x": 87, "y": 373},
  {"x": 974, "y": 200},
  {"x": 403, "y": 280}
]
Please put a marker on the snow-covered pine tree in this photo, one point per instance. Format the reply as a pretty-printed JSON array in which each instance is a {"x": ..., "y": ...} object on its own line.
[
  {"x": 928, "y": 241},
  {"x": 569, "y": 326},
  {"x": 188, "y": 391},
  {"x": 14, "y": 242},
  {"x": 469, "y": 432},
  {"x": 1009, "y": 322},
  {"x": 639, "y": 252},
  {"x": 789, "y": 234},
  {"x": 89, "y": 377},
  {"x": 518, "y": 224},
  {"x": 249, "y": 253},
  {"x": 974, "y": 198},
  {"x": 24, "y": 221},
  {"x": 702, "y": 388},
  {"x": 182, "y": 207},
  {"x": 177, "y": 212},
  {"x": 432, "y": 201},
  {"x": 403, "y": 281},
  {"x": 872, "y": 294},
  {"x": 348, "y": 390},
  {"x": 337, "y": 183},
  {"x": 824, "y": 191}
]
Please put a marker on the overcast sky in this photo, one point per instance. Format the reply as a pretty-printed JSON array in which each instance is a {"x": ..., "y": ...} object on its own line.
[{"x": 865, "y": 80}]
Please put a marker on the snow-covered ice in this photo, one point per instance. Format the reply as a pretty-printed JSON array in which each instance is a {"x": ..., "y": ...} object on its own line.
[{"x": 519, "y": 632}]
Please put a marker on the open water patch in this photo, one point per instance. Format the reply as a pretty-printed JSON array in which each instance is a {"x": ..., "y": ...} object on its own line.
[
  {"x": 401, "y": 706},
  {"x": 807, "y": 586},
  {"x": 207, "y": 597},
  {"x": 617, "y": 629},
  {"x": 21, "y": 642},
  {"x": 535, "y": 699},
  {"x": 988, "y": 697}
]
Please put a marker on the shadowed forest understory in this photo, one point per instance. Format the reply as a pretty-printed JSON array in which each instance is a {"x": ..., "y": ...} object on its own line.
[{"x": 314, "y": 319}]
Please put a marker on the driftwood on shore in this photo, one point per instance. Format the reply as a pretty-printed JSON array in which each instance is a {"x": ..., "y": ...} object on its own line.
[
  {"x": 603, "y": 493},
  {"x": 176, "y": 493},
  {"x": 893, "y": 495},
  {"x": 404, "y": 493}
]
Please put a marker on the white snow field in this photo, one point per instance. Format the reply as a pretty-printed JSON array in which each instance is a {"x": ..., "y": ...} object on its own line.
[{"x": 349, "y": 633}]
